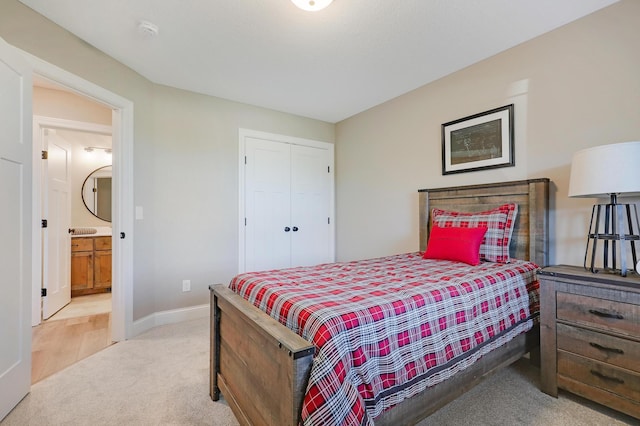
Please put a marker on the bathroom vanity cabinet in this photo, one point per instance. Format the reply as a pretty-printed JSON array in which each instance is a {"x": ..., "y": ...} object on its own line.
[{"x": 90, "y": 265}]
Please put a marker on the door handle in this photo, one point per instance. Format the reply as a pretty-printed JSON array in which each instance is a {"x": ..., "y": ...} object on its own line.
[
  {"x": 295, "y": 229},
  {"x": 287, "y": 229}
]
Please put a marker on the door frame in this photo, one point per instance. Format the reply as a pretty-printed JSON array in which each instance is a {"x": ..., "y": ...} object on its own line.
[
  {"x": 292, "y": 140},
  {"x": 40, "y": 123},
  {"x": 122, "y": 220}
]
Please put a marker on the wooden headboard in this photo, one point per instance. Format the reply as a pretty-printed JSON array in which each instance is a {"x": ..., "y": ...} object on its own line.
[{"x": 530, "y": 240}]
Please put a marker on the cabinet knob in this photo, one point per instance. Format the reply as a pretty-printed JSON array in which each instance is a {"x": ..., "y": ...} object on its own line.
[
  {"x": 287, "y": 229},
  {"x": 295, "y": 229}
]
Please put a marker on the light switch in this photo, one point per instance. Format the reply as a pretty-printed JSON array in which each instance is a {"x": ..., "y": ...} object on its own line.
[{"x": 139, "y": 215}]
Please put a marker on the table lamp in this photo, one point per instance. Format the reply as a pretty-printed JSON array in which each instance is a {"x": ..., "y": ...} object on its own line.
[{"x": 609, "y": 171}]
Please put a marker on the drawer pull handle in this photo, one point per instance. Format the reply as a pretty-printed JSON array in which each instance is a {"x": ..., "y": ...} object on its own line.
[
  {"x": 605, "y": 377},
  {"x": 606, "y": 349},
  {"x": 605, "y": 314}
]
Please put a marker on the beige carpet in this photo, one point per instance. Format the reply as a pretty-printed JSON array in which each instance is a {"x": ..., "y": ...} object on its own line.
[
  {"x": 513, "y": 397},
  {"x": 161, "y": 378}
]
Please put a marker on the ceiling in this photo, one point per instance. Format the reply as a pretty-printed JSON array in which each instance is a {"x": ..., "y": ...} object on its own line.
[{"x": 327, "y": 65}]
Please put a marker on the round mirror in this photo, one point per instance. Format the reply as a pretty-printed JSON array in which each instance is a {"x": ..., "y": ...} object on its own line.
[{"x": 96, "y": 193}]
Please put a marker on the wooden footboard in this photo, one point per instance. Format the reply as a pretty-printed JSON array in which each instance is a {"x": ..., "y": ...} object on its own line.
[{"x": 261, "y": 367}]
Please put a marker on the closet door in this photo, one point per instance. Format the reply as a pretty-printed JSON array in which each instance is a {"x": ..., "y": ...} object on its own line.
[
  {"x": 267, "y": 205},
  {"x": 287, "y": 202},
  {"x": 310, "y": 206}
]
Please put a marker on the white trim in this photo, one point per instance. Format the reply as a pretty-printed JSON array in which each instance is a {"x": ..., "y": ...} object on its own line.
[
  {"x": 122, "y": 135},
  {"x": 169, "y": 317},
  {"x": 61, "y": 123},
  {"x": 40, "y": 122},
  {"x": 248, "y": 133}
]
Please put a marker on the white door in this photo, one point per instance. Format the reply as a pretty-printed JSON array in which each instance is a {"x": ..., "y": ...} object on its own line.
[
  {"x": 15, "y": 228},
  {"x": 267, "y": 205},
  {"x": 56, "y": 256},
  {"x": 287, "y": 204},
  {"x": 310, "y": 206}
]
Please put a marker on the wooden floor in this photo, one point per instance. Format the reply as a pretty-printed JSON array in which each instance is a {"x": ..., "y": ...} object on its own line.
[
  {"x": 57, "y": 344},
  {"x": 83, "y": 306}
]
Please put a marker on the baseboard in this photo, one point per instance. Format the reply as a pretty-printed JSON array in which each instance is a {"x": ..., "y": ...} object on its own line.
[{"x": 169, "y": 317}]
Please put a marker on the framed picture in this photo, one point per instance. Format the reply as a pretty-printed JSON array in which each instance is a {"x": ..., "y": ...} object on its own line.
[{"x": 478, "y": 142}]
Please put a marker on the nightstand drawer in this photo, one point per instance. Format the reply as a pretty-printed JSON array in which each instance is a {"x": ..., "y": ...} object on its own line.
[
  {"x": 616, "y": 380},
  {"x": 598, "y": 346},
  {"x": 599, "y": 313}
]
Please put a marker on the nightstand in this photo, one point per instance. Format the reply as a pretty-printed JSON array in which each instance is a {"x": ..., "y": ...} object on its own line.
[{"x": 590, "y": 336}]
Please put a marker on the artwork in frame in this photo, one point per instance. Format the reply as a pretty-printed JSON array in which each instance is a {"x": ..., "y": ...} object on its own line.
[{"x": 478, "y": 142}]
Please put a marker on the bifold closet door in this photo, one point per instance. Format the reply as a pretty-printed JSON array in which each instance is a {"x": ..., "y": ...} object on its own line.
[
  {"x": 267, "y": 205},
  {"x": 287, "y": 205},
  {"x": 310, "y": 192}
]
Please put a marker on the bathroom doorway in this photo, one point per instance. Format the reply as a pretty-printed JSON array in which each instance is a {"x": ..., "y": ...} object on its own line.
[{"x": 77, "y": 155}]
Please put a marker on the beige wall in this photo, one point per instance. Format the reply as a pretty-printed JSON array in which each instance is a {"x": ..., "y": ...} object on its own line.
[
  {"x": 69, "y": 106},
  {"x": 573, "y": 88},
  {"x": 185, "y": 164}
]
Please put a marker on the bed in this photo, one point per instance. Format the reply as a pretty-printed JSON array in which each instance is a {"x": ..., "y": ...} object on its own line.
[{"x": 265, "y": 371}]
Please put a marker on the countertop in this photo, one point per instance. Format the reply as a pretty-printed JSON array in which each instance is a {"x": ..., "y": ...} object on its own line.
[{"x": 101, "y": 231}]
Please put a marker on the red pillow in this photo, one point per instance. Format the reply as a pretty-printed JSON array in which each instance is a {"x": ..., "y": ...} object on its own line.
[{"x": 454, "y": 243}]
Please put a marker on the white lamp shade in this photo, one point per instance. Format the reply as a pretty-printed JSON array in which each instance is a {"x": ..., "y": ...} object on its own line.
[
  {"x": 607, "y": 169},
  {"x": 312, "y": 5}
]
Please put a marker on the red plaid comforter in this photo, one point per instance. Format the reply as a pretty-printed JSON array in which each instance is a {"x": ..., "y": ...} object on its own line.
[{"x": 385, "y": 329}]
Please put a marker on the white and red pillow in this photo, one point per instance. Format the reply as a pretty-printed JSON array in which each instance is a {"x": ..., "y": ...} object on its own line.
[{"x": 499, "y": 223}]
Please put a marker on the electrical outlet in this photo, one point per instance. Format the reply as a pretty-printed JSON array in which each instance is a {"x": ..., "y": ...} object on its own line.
[{"x": 186, "y": 285}]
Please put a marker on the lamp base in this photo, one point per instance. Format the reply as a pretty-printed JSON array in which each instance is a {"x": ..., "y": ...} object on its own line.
[{"x": 617, "y": 232}]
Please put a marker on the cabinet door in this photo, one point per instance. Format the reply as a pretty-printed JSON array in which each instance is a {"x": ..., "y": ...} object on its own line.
[
  {"x": 81, "y": 270},
  {"x": 267, "y": 205},
  {"x": 102, "y": 265},
  {"x": 310, "y": 206}
]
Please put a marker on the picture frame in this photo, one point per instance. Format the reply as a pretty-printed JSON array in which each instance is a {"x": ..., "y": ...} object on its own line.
[{"x": 479, "y": 142}]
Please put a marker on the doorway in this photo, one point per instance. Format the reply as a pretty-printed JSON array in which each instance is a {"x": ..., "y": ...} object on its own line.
[
  {"x": 122, "y": 186},
  {"x": 75, "y": 150}
]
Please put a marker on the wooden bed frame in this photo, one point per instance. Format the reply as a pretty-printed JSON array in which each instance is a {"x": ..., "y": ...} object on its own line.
[{"x": 262, "y": 368}]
